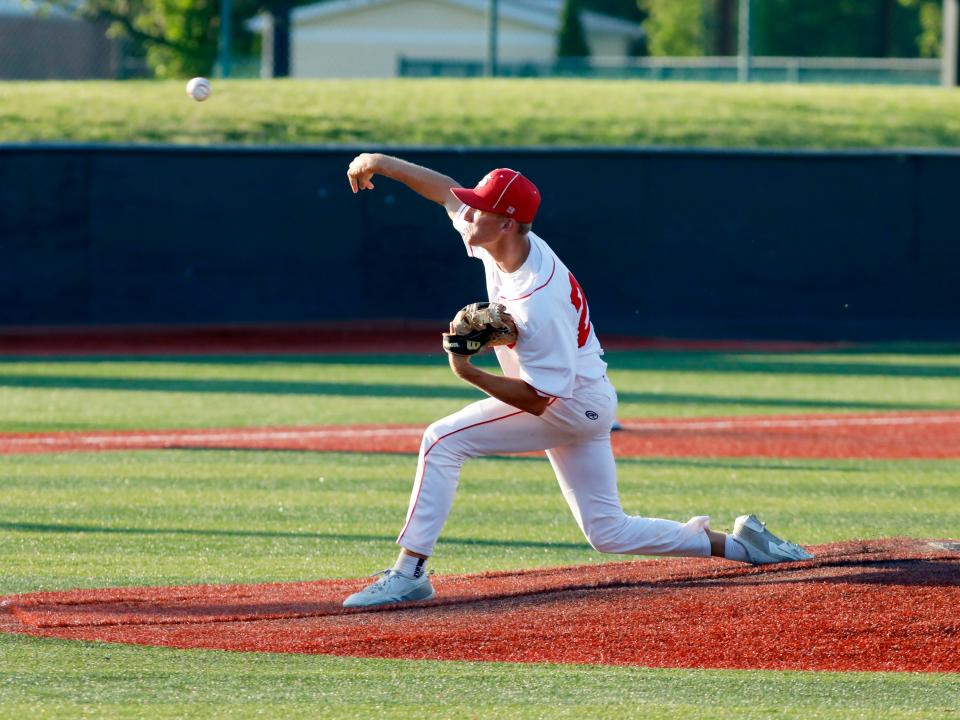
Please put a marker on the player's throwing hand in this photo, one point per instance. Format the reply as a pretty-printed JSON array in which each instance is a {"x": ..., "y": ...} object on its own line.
[{"x": 360, "y": 172}]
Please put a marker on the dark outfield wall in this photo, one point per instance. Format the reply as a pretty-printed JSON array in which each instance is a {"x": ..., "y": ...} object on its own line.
[{"x": 665, "y": 243}]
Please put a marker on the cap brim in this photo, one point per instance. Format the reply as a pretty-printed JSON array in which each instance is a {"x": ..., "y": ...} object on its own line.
[{"x": 469, "y": 198}]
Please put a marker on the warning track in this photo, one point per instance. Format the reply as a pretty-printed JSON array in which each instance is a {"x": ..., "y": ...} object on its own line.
[
  {"x": 905, "y": 435},
  {"x": 874, "y": 605}
]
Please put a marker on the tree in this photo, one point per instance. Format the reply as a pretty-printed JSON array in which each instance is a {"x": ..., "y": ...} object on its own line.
[
  {"x": 851, "y": 28},
  {"x": 837, "y": 28},
  {"x": 623, "y": 9},
  {"x": 628, "y": 10},
  {"x": 675, "y": 27},
  {"x": 572, "y": 40},
  {"x": 930, "y": 35},
  {"x": 177, "y": 37}
]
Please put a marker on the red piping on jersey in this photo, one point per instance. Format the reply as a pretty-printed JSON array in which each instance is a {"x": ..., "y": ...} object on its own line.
[
  {"x": 424, "y": 471},
  {"x": 535, "y": 289},
  {"x": 545, "y": 394}
]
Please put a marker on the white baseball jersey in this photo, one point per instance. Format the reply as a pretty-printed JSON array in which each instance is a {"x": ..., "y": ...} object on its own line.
[
  {"x": 558, "y": 354},
  {"x": 557, "y": 347}
]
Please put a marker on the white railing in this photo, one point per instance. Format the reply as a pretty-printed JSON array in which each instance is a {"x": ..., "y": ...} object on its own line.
[{"x": 721, "y": 68}]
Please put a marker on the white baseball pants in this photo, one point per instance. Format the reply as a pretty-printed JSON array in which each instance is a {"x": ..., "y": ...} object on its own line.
[{"x": 576, "y": 437}]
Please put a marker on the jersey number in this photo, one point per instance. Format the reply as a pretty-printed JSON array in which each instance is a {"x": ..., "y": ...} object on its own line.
[{"x": 579, "y": 301}]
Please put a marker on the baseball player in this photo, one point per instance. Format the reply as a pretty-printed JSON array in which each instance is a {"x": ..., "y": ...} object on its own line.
[{"x": 553, "y": 394}]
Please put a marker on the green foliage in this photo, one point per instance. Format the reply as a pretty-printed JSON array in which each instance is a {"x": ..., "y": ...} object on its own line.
[
  {"x": 824, "y": 28},
  {"x": 179, "y": 38},
  {"x": 572, "y": 40},
  {"x": 624, "y": 9},
  {"x": 190, "y": 28},
  {"x": 675, "y": 28},
  {"x": 930, "y": 37},
  {"x": 838, "y": 28}
]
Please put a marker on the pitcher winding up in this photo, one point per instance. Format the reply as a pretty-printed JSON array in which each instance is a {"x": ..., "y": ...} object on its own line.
[{"x": 553, "y": 394}]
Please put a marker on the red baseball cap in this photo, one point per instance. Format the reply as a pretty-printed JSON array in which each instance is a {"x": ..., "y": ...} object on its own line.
[{"x": 505, "y": 192}]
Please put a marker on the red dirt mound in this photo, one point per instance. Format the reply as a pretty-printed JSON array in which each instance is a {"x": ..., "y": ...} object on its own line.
[
  {"x": 876, "y": 435},
  {"x": 876, "y": 605}
]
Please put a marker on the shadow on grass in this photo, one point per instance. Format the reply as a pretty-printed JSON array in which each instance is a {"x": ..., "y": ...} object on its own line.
[
  {"x": 787, "y": 465},
  {"x": 394, "y": 390},
  {"x": 829, "y": 465},
  {"x": 201, "y": 532},
  {"x": 769, "y": 402},
  {"x": 838, "y": 362},
  {"x": 244, "y": 360},
  {"x": 253, "y": 387}
]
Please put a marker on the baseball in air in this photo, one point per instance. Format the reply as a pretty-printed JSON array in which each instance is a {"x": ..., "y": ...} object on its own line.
[{"x": 199, "y": 89}]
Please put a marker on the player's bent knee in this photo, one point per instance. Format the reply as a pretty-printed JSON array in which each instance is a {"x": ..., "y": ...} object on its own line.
[
  {"x": 442, "y": 438},
  {"x": 605, "y": 536},
  {"x": 435, "y": 431},
  {"x": 605, "y": 545}
]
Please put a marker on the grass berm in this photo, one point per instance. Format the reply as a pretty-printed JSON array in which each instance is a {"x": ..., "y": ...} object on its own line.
[{"x": 483, "y": 113}]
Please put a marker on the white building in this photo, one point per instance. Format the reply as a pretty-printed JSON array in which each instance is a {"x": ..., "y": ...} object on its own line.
[{"x": 369, "y": 38}]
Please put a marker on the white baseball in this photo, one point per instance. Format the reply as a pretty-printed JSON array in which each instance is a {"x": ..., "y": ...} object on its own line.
[{"x": 199, "y": 89}]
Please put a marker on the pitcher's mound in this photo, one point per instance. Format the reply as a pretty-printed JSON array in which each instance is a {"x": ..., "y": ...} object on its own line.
[{"x": 872, "y": 605}]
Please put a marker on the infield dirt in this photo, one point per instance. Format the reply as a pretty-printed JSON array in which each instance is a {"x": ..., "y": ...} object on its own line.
[
  {"x": 905, "y": 435},
  {"x": 877, "y": 605}
]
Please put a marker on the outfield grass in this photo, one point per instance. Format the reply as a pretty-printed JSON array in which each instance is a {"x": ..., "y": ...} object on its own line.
[
  {"x": 186, "y": 516},
  {"x": 46, "y": 679},
  {"x": 189, "y": 516},
  {"x": 124, "y": 393},
  {"x": 483, "y": 113}
]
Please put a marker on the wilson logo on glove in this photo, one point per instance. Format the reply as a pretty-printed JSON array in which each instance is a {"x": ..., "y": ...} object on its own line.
[{"x": 478, "y": 325}]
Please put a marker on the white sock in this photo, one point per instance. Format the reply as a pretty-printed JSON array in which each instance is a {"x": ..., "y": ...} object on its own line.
[
  {"x": 410, "y": 566},
  {"x": 733, "y": 550}
]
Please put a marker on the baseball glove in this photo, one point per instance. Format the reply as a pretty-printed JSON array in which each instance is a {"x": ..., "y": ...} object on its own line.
[{"x": 478, "y": 325}]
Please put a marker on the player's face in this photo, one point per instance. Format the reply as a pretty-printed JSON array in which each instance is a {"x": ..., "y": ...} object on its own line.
[{"x": 482, "y": 227}]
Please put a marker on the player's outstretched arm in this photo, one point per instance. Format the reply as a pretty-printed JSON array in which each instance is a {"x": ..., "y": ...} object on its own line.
[{"x": 423, "y": 181}]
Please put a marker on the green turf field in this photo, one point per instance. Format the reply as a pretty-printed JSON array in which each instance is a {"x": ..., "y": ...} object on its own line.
[
  {"x": 71, "y": 394},
  {"x": 480, "y": 112},
  {"x": 189, "y": 516}
]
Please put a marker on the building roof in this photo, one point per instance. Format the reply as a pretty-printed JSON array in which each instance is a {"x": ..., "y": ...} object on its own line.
[{"x": 543, "y": 14}]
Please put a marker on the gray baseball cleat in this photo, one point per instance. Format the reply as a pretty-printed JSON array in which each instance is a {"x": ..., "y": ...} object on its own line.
[
  {"x": 392, "y": 587},
  {"x": 763, "y": 546}
]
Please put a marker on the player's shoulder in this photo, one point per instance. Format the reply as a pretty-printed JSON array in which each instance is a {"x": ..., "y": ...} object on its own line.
[
  {"x": 550, "y": 258},
  {"x": 456, "y": 214},
  {"x": 551, "y": 267}
]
